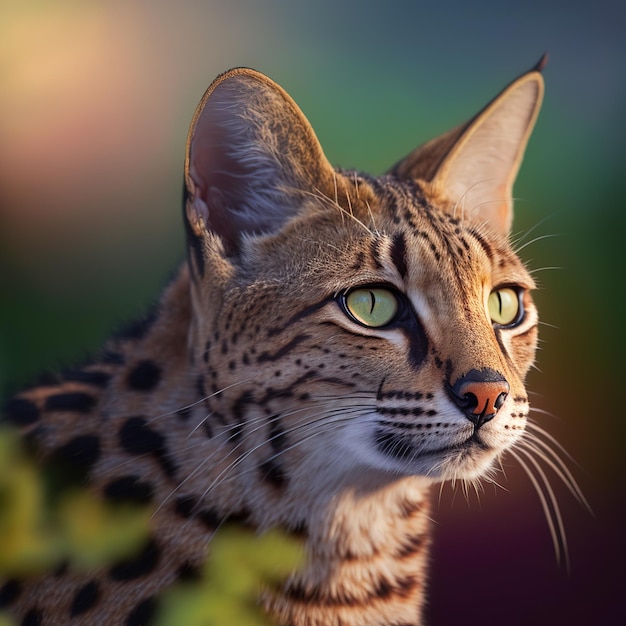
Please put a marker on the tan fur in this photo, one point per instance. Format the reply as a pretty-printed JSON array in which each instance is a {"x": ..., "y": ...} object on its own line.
[{"x": 272, "y": 403}]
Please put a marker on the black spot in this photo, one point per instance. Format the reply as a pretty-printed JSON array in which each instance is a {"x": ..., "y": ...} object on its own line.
[
  {"x": 144, "y": 376},
  {"x": 200, "y": 386},
  {"x": 32, "y": 618},
  {"x": 300, "y": 530},
  {"x": 277, "y": 437},
  {"x": 272, "y": 473},
  {"x": 85, "y": 599},
  {"x": 208, "y": 429},
  {"x": 128, "y": 489},
  {"x": 189, "y": 573},
  {"x": 239, "y": 411},
  {"x": 20, "y": 412},
  {"x": 210, "y": 518},
  {"x": 79, "y": 454},
  {"x": 9, "y": 592},
  {"x": 92, "y": 377},
  {"x": 140, "y": 565},
  {"x": 235, "y": 432},
  {"x": 142, "y": 614},
  {"x": 359, "y": 261},
  {"x": 61, "y": 569},
  {"x": 136, "y": 437},
  {"x": 75, "y": 401},
  {"x": 185, "y": 506}
]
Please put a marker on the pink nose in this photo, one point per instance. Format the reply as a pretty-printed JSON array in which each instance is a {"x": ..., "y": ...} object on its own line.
[
  {"x": 485, "y": 398},
  {"x": 480, "y": 394}
]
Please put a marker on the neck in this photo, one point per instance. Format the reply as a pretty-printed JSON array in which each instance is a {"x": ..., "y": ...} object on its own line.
[{"x": 367, "y": 558}]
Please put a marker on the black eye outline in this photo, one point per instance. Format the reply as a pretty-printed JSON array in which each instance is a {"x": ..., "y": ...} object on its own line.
[
  {"x": 521, "y": 311},
  {"x": 393, "y": 322}
]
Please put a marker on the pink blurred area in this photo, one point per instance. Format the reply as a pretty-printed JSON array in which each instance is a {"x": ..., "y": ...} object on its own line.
[{"x": 93, "y": 120}]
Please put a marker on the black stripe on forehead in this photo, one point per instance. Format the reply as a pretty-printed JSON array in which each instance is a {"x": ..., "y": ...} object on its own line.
[
  {"x": 375, "y": 247},
  {"x": 484, "y": 244},
  {"x": 398, "y": 253}
]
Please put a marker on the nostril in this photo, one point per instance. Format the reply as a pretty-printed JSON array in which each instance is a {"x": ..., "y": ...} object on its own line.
[
  {"x": 500, "y": 400},
  {"x": 468, "y": 401}
]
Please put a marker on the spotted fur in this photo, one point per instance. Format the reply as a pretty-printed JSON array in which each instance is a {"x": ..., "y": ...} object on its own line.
[{"x": 252, "y": 394}]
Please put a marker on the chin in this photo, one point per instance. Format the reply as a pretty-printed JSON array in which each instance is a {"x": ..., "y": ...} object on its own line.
[{"x": 467, "y": 463}]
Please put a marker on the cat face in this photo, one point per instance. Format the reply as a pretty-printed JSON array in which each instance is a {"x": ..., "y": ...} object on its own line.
[{"x": 353, "y": 324}]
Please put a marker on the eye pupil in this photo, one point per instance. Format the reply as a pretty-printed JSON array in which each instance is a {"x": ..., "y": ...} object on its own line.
[{"x": 373, "y": 307}]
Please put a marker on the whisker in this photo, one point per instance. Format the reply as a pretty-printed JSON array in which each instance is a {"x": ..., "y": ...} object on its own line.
[
  {"x": 534, "y": 409},
  {"x": 318, "y": 195},
  {"x": 551, "y": 458},
  {"x": 261, "y": 422},
  {"x": 521, "y": 236},
  {"x": 460, "y": 203},
  {"x": 535, "y": 270},
  {"x": 518, "y": 249},
  {"x": 238, "y": 461},
  {"x": 200, "y": 401},
  {"x": 549, "y": 325},
  {"x": 532, "y": 426},
  {"x": 549, "y": 504}
]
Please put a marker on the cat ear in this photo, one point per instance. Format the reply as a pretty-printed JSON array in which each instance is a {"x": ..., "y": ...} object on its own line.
[
  {"x": 474, "y": 166},
  {"x": 251, "y": 156}
]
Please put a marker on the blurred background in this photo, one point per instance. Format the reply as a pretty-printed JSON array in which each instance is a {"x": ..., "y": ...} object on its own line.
[{"x": 95, "y": 100}]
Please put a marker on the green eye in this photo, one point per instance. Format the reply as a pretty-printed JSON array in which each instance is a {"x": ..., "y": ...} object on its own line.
[
  {"x": 371, "y": 306},
  {"x": 504, "y": 306}
]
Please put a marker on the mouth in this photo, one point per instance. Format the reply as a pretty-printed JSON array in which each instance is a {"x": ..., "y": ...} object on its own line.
[{"x": 403, "y": 448}]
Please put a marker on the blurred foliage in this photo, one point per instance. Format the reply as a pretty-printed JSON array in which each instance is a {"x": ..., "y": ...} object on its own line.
[
  {"x": 5, "y": 620},
  {"x": 240, "y": 565},
  {"x": 38, "y": 533}
]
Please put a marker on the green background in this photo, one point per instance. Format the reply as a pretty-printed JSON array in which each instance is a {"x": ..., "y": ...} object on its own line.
[{"x": 95, "y": 99}]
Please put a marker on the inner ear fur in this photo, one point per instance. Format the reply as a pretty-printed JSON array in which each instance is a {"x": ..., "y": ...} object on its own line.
[
  {"x": 251, "y": 157},
  {"x": 473, "y": 167}
]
